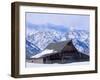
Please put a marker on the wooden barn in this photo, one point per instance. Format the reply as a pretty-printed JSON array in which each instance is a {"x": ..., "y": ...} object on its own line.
[{"x": 62, "y": 52}]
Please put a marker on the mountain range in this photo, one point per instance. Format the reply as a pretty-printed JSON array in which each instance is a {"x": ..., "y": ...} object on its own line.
[{"x": 38, "y": 39}]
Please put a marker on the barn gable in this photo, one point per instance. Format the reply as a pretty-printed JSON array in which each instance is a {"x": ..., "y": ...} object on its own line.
[{"x": 59, "y": 46}]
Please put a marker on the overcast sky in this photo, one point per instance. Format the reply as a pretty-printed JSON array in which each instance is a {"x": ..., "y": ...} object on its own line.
[{"x": 71, "y": 21}]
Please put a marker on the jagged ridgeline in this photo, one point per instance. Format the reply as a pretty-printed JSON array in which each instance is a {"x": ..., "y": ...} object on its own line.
[{"x": 37, "y": 40}]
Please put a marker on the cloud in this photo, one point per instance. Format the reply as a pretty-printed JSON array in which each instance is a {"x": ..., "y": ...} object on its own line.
[{"x": 66, "y": 20}]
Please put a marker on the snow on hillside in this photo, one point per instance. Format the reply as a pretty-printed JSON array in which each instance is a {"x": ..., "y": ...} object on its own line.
[
  {"x": 42, "y": 39},
  {"x": 31, "y": 49},
  {"x": 80, "y": 39}
]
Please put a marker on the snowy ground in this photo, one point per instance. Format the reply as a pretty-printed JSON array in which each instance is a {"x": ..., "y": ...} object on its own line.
[{"x": 56, "y": 64}]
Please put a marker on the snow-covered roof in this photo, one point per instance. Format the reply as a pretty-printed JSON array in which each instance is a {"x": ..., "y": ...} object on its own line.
[{"x": 46, "y": 51}]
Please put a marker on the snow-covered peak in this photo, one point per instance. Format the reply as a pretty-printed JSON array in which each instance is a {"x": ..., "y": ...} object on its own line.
[
  {"x": 77, "y": 34},
  {"x": 43, "y": 38}
]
